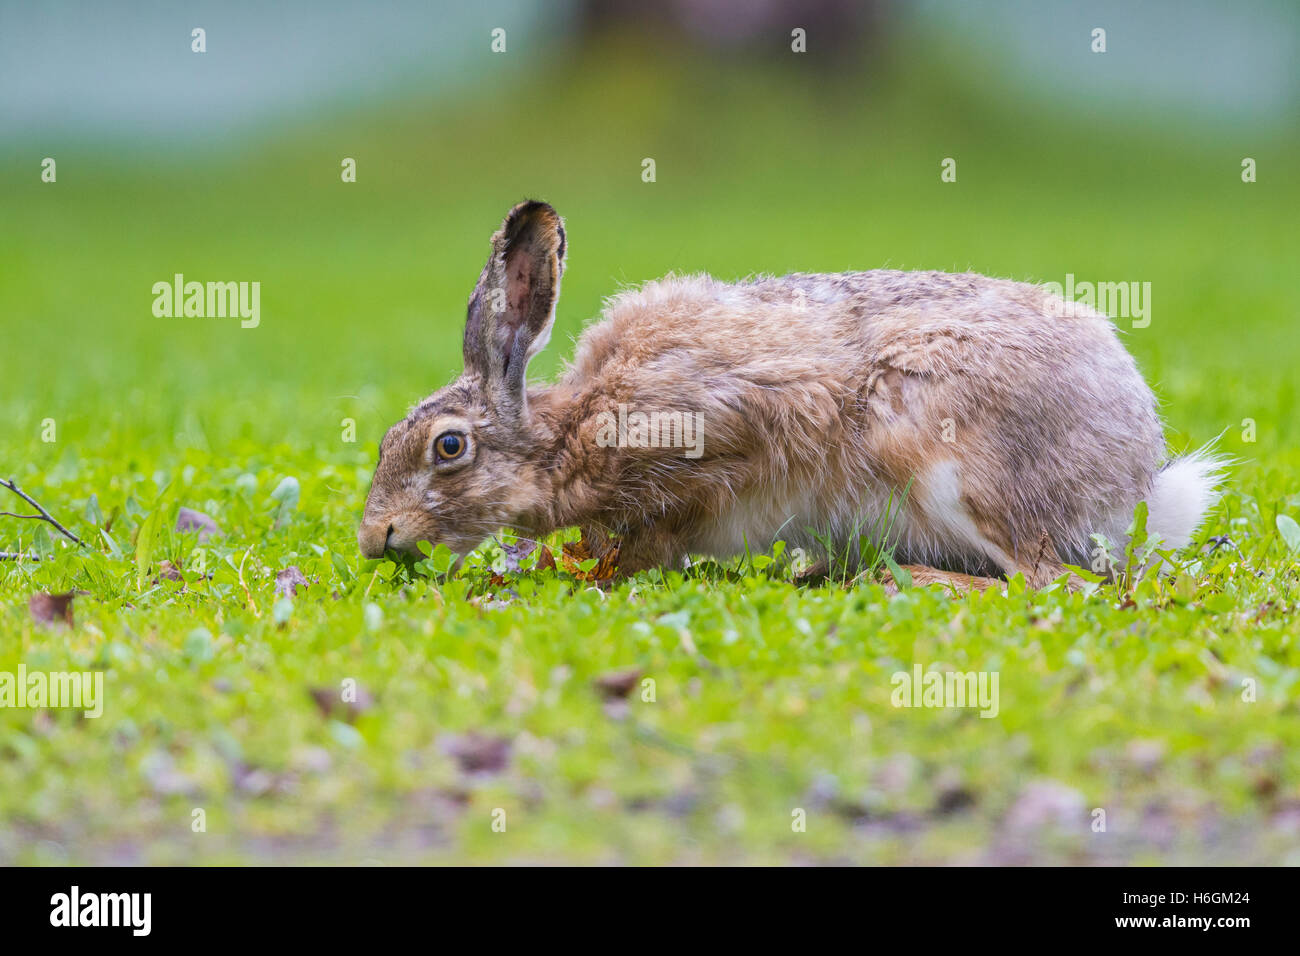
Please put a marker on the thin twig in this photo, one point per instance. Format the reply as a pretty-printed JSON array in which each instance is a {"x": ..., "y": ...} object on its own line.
[
  {"x": 43, "y": 516},
  {"x": 247, "y": 593},
  {"x": 18, "y": 555}
]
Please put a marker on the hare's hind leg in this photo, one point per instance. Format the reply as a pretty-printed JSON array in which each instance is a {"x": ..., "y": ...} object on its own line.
[
  {"x": 1043, "y": 566},
  {"x": 958, "y": 584},
  {"x": 973, "y": 530},
  {"x": 1037, "y": 575}
]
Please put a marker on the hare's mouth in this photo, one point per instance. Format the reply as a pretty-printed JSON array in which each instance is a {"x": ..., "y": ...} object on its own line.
[{"x": 391, "y": 534}]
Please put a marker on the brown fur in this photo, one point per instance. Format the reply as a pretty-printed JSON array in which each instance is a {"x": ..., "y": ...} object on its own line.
[{"x": 1016, "y": 432}]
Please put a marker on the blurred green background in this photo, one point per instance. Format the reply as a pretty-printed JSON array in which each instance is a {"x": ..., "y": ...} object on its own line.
[
  {"x": 225, "y": 166},
  {"x": 767, "y": 161}
]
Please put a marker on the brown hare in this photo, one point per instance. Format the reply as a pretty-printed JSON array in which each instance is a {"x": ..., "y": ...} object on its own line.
[{"x": 701, "y": 417}]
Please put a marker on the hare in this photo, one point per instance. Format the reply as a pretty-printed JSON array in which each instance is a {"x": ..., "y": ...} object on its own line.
[{"x": 701, "y": 417}]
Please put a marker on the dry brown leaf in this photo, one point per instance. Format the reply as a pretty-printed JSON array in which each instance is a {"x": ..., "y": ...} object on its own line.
[
  {"x": 618, "y": 684},
  {"x": 477, "y": 753},
  {"x": 576, "y": 552},
  {"x": 331, "y": 703},
  {"x": 51, "y": 608},
  {"x": 815, "y": 573},
  {"x": 545, "y": 560}
]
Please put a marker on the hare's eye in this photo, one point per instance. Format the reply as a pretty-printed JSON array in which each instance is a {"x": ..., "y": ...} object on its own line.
[{"x": 450, "y": 445}]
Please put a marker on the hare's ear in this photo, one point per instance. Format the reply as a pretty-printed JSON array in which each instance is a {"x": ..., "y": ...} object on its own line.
[{"x": 513, "y": 306}]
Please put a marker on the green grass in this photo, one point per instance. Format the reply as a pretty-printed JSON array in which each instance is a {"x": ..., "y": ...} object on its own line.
[{"x": 770, "y": 695}]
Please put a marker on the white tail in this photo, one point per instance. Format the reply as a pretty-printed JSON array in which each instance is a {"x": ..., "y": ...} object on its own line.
[{"x": 1181, "y": 494}]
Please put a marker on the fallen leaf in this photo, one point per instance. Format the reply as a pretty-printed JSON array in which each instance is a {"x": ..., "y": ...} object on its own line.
[
  {"x": 289, "y": 580},
  {"x": 51, "y": 608},
  {"x": 814, "y": 573},
  {"x": 576, "y": 553},
  {"x": 330, "y": 702},
  {"x": 1265, "y": 786},
  {"x": 618, "y": 684},
  {"x": 477, "y": 753},
  {"x": 953, "y": 799},
  {"x": 187, "y": 519},
  {"x": 545, "y": 560}
]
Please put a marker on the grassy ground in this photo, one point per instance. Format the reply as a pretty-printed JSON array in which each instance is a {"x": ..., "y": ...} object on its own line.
[{"x": 769, "y": 695}]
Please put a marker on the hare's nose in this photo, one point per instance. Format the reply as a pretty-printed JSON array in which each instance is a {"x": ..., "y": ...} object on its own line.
[{"x": 374, "y": 538}]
